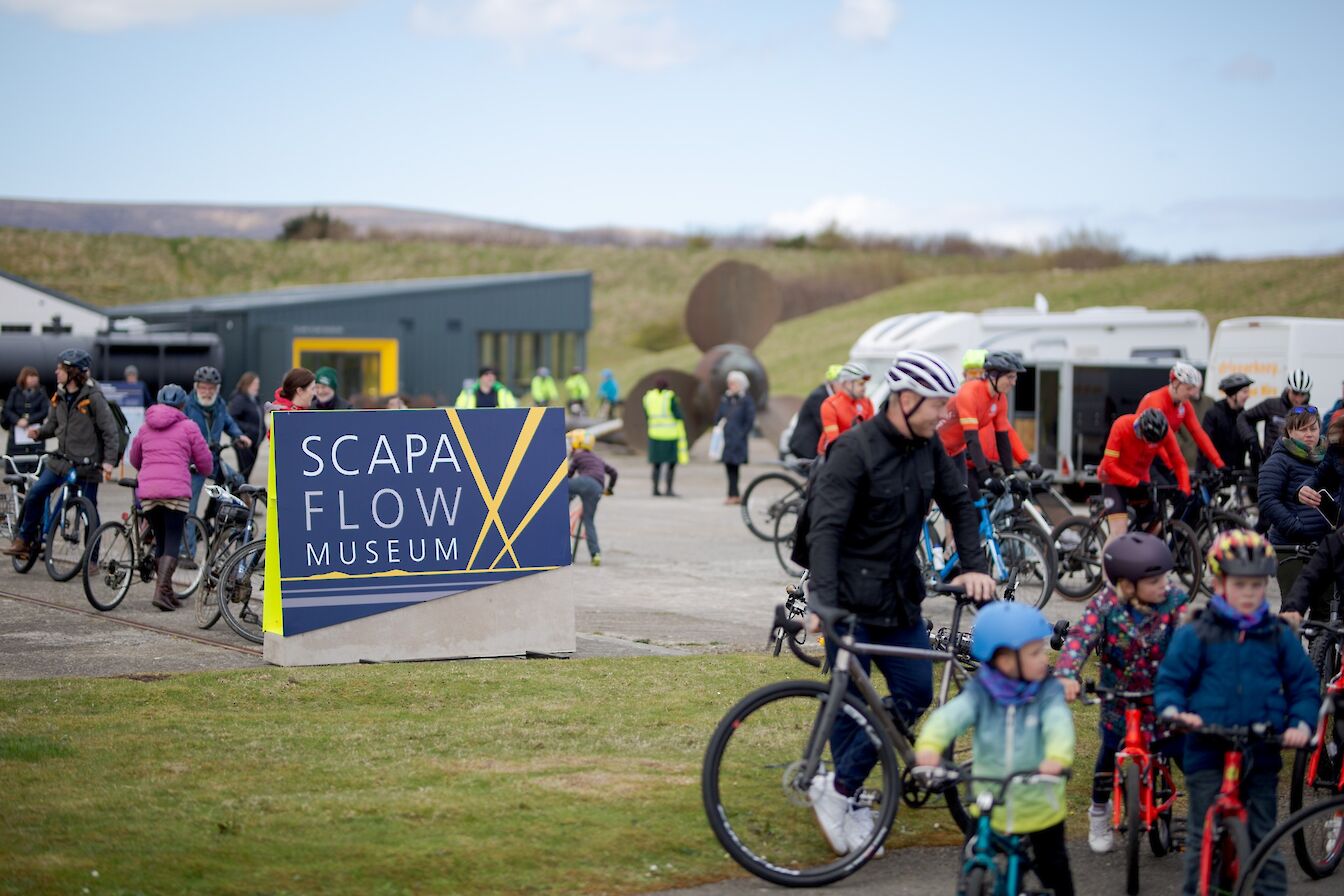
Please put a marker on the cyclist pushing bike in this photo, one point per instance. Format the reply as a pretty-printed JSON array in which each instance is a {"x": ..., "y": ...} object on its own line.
[
  {"x": 87, "y": 438},
  {"x": 1134, "y": 442},
  {"x": 1237, "y": 665},
  {"x": 858, "y": 535}
]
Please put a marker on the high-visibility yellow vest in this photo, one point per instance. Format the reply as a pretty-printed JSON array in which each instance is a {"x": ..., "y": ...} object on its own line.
[
  {"x": 466, "y": 399},
  {"x": 544, "y": 390},
  {"x": 658, "y": 409},
  {"x": 576, "y": 387}
]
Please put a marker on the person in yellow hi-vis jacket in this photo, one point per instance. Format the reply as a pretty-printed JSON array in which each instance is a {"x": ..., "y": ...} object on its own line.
[
  {"x": 577, "y": 391},
  {"x": 667, "y": 433},
  {"x": 486, "y": 392},
  {"x": 543, "y": 388}
]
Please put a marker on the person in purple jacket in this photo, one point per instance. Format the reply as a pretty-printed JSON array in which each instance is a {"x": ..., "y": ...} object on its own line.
[
  {"x": 587, "y": 475},
  {"x": 163, "y": 451}
]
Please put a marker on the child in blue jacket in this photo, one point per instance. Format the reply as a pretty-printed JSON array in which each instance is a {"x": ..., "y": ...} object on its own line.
[
  {"x": 1022, "y": 724},
  {"x": 1237, "y": 664}
]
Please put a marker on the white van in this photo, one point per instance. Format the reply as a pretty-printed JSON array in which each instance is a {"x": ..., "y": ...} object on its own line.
[
  {"x": 1084, "y": 368},
  {"x": 1267, "y": 348}
]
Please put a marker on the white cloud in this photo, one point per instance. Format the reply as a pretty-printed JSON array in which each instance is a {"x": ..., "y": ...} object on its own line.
[
  {"x": 628, "y": 34},
  {"x": 114, "y": 15},
  {"x": 856, "y": 213},
  {"x": 867, "y": 21}
]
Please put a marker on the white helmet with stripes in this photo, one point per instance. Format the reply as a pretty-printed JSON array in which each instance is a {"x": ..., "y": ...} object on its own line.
[
  {"x": 1182, "y": 372},
  {"x": 1299, "y": 381},
  {"x": 922, "y": 373},
  {"x": 853, "y": 371}
]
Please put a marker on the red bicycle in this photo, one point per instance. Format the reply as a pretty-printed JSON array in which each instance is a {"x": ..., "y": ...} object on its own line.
[
  {"x": 1144, "y": 794},
  {"x": 1318, "y": 773}
]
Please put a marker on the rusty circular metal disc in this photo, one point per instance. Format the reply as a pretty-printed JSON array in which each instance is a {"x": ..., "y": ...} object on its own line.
[
  {"x": 718, "y": 362},
  {"x": 687, "y": 388},
  {"x": 734, "y": 302}
]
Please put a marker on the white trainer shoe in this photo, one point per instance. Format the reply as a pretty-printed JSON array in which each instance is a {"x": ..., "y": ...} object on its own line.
[
  {"x": 831, "y": 810},
  {"x": 859, "y": 824},
  {"x": 1099, "y": 834}
]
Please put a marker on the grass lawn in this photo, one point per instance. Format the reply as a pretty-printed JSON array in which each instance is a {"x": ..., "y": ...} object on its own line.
[{"x": 504, "y": 777}]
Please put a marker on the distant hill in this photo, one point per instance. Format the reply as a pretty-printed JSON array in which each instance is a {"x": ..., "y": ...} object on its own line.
[{"x": 263, "y": 222}]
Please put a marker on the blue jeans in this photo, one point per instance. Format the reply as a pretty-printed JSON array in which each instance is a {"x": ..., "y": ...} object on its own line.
[
  {"x": 910, "y": 682},
  {"x": 36, "y": 500},
  {"x": 1259, "y": 792},
  {"x": 589, "y": 491}
]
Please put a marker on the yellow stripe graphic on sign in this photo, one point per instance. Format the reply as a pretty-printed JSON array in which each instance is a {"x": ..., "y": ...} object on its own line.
[
  {"x": 561, "y": 473},
  {"x": 272, "y": 614}
]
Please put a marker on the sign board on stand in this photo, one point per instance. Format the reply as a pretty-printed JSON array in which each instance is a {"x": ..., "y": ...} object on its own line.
[{"x": 417, "y": 534}]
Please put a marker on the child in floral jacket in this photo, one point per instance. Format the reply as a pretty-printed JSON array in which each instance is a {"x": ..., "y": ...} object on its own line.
[{"x": 1130, "y": 623}]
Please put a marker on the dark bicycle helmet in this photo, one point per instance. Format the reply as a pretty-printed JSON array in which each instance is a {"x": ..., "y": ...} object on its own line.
[
  {"x": 1234, "y": 383},
  {"x": 208, "y": 375},
  {"x": 1137, "y": 555},
  {"x": 75, "y": 357},
  {"x": 1242, "y": 552},
  {"x": 1151, "y": 425},
  {"x": 998, "y": 362},
  {"x": 173, "y": 395}
]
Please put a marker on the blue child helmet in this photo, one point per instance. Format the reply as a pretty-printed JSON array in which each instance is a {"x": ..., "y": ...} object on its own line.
[
  {"x": 173, "y": 395},
  {"x": 1007, "y": 624}
]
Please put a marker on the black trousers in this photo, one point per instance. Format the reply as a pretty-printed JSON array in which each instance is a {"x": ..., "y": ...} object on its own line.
[
  {"x": 167, "y": 527},
  {"x": 733, "y": 470}
]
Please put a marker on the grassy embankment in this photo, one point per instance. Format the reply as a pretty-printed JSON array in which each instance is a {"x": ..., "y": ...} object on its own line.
[{"x": 498, "y": 777}]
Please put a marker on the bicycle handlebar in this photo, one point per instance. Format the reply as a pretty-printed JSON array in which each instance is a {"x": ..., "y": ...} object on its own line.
[{"x": 1091, "y": 687}]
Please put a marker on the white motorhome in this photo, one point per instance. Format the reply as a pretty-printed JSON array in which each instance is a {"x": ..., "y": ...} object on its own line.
[
  {"x": 1267, "y": 348},
  {"x": 1084, "y": 368}
]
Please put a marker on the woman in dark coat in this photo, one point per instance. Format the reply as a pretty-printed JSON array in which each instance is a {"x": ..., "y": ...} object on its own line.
[
  {"x": 245, "y": 409},
  {"x": 737, "y": 414},
  {"x": 1289, "y": 467},
  {"x": 27, "y": 405}
]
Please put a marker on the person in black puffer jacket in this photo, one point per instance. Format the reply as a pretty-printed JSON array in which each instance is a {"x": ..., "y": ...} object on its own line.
[
  {"x": 1323, "y": 572},
  {"x": 807, "y": 429},
  {"x": 245, "y": 409},
  {"x": 1220, "y": 422},
  {"x": 1290, "y": 465},
  {"x": 27, "y": 405}
]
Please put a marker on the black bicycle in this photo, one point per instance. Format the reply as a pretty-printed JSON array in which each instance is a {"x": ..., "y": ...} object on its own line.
[
  {"x": 771, "y": 753},
  {"x": 766, "y": 497}
]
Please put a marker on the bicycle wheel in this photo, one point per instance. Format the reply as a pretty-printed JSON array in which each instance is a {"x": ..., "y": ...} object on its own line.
[
  {"x": 1026, "y": 576},
  {"x": 1032, "y": 532},
  {"x": 190, "y": 570},
  {"x": 760, "y": 813},
  {"x": 241, "y": 590},
  {"x": 69, "y": 535},
  {"x": 786, "y": 526},
  {"x": 1325, "y": 656},
  {"x": 110, "y": 566},
  {"x": 206, "y": 600},
  {"x": 1078, "y": 543},
  {"x": 1330, "y": 810},
  {"x": 1226, "y": 849},
  {"x": 976, "y": 882},
  {"x": 1318, "y": 844},
  {"x": 1133, "y": 828},
  {"x": 1216, "y": 522},
  {"x": 1189, "y": 559},
  {"x": 764, "y": 499},
  {"x": 1159, "y": 835}
]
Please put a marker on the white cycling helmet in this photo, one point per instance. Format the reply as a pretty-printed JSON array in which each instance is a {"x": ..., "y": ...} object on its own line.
[
  {"x": 1182, "y": 372},
  {"x": 922, "y": 373},
  {"x": 853, "y": 371},
  {"x": 1298, "y": 381}
]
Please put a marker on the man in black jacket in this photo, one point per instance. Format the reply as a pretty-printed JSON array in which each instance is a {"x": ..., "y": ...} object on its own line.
[
  {"x": 1220, "y": 422},
  {"x": 807, "y": 429},
  {"x": 1310, "y": 594},
  {"x": 864, "y": 519}
]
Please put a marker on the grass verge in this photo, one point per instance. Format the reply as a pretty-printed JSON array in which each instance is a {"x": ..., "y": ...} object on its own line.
[{"x": 502, "y": 777}]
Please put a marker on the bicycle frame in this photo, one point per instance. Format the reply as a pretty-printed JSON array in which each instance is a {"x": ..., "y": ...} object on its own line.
[
  {"x": 990, "y": 843},
  {"x": 988, "y": 536},
  {"x": 51, "y": 509},
  {"x": 1334, "y": 690},
  {"x": 1227, "y": 804},
  {"x": 1153, "y": 767}
]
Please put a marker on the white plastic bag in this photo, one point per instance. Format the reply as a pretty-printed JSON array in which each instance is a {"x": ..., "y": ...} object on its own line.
[{"x": 716, "y": 442}]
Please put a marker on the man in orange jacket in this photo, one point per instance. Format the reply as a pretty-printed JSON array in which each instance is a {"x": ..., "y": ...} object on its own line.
[
  {"x": 848, "y": 407},
  {"x": 1174, "y": 401},
  {"x": 1135, "y": 440}
]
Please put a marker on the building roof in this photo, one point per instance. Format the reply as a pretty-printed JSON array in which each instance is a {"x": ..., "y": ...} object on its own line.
[
  {"x": 332, "y": 292},
  {"x": 54, "y": 293}
]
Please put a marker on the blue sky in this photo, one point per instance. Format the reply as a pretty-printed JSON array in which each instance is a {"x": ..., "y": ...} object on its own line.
[{"x": 1180, "y": 127}]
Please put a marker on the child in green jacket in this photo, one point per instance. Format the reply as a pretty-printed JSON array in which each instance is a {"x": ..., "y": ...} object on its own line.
[{"x": 1022, "y": 724}]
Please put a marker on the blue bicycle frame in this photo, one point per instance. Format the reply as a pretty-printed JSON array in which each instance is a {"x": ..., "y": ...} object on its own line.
[
  {"x": 988, "y": 845},
  {"x": 997, "y": 568},
  {"x": 51, "y": 510}
]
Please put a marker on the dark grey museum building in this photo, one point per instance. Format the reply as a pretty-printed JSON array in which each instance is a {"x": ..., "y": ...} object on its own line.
[{"x": 419, "y": 337}]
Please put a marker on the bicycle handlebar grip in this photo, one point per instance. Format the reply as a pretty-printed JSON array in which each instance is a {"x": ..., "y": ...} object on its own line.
[{"x": 944, "y": 588}]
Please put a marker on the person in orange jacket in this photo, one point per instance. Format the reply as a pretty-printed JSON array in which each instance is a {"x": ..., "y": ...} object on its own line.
[
  {"x": 980, "y": 416},
  {"x": 1135, "y": 440},
  {"x": 1174, "y": 401},
  {"x": 847, "y": 407}
]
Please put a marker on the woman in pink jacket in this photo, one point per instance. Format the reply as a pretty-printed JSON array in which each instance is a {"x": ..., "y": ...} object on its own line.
[{"x": 163, "y": 451}]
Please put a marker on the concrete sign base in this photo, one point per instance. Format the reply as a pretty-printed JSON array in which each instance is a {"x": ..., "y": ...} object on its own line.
[{"x": 532, "y": 614}]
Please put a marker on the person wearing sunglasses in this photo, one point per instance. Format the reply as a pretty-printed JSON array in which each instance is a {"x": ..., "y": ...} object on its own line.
[
  {"x": 1290, "y": 465},
  {"x": 1272, "y": 412}
]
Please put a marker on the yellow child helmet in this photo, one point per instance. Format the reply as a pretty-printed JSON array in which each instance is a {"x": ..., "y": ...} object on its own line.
[
  {"x": 1241, "y": 552},
  {"x": 832, "y": 372},
  {"x": 581, "y": 440}
]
